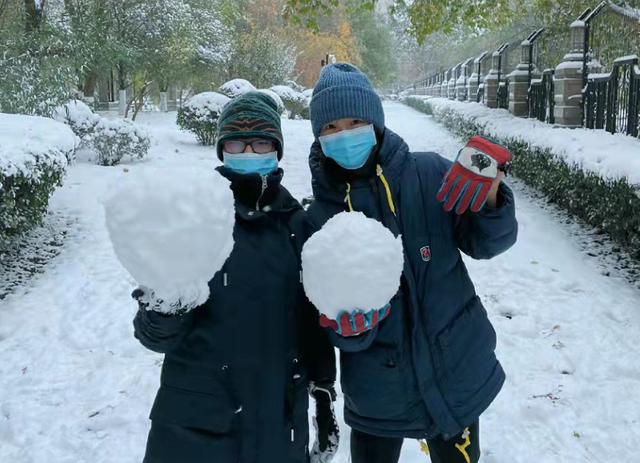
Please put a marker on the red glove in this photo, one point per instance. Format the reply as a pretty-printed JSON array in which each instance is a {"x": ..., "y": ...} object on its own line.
[
  {"x": 470, "y": 178},
  {"x": 355, "y": 323}
]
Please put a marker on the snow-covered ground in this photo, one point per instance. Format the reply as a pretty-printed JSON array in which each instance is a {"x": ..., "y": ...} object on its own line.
[{"x": 76, "y": 387}]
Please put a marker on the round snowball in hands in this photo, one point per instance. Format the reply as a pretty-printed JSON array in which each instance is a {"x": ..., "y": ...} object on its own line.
[
  {"x": 172, "y": 229},
  {"x": 352, "y": 263}
]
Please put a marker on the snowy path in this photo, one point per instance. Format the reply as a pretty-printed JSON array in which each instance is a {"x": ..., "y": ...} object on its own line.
[{"x": 76, "y": 387}]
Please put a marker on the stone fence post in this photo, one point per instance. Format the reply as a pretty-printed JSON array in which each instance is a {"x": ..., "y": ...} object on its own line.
[
  {"x": 519, "y": 82},
  {"x": 491, "y": 81},
  {"x": 568, "y": 81}
]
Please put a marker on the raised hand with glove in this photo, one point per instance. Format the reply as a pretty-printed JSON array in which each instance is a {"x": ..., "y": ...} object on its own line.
[
  {"x": 474, "y": 178},
  {"x": 325, "y": 423},
  {"x": 355, "y": 323}
]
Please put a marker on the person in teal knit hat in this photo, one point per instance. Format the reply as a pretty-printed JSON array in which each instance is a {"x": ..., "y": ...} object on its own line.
[
  {"x": 238, "y": 370},
  {"x": 423, "y": 366}
]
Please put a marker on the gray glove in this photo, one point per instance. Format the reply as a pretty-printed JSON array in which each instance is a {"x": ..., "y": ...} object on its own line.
[
  {"x": 147, "y": 300},
  {"x": 327, "y": 429}
]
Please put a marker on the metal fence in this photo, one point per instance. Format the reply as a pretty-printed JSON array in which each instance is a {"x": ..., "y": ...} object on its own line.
[
  {"x": 612, "y": 100},
  {"x": 542, "y": 97}
]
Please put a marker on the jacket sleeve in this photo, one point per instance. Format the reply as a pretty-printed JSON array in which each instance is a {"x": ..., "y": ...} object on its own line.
[
  {"x": 480, "y": 235},
  {"x": 320, "y": 352},
  {"x": 353, "y": 343},
  {"x": 491, "y": 231},
  {"x": 161, "y": 333}
]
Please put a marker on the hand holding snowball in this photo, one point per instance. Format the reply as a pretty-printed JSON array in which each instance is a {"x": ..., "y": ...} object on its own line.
[
  {"x": 351, "y": 270},
  {"x": 172, "y": 230}
]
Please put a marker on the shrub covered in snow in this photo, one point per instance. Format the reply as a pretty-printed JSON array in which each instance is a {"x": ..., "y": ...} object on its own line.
[
  {"x": 294, "y": 102},
  {"x": 276, "y": 98},
  {"x": 115, "y": 138},
  {"x": 78, "y": 116},
  {"x": 607, "y": 199},
  {"x": 236, "y": 87},
  {"x": 33, "y": 161},
  {"x": 200, "y": 115}
]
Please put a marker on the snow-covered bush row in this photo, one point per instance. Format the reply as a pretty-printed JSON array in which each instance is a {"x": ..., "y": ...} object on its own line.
[
  {"x": 276, "y": 98},
  {"x": 592, "y": 174},
  {"x": 236, "y": 87},
  {"x": 294, "y": 102},
  {"x": 200, "y": 115},
  {"x": 110, "y": 139},
  {"x": 78, "y": 116},
  {"x": 113, "y": 138},
  {"x": 34, "y": 153}
]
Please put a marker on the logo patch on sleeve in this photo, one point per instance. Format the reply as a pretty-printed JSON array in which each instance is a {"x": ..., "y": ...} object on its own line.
[{"x": 425, "y": 252}]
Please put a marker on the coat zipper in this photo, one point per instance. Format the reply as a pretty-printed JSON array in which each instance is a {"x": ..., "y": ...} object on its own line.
[{"x": 264, "y": 188}]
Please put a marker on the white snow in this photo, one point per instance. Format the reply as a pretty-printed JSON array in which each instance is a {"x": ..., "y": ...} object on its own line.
[
  {"x": 172, "y": 235},
  {"x": 626, "y": 58},
  {"x": 275, "y": 97},
  {"x": 611, "y": 156},
  {"x": 76, "y": 387},
  {"x": 77, "y": 115},
  {"x": 29, "y": 140},
  {"x": 203, "y": 104},
  {"x": 577, "y": 65},
  {"x": 236, "y": 87},
  {"x": 308, "y": 93},
  {"x": 578, "y": 24},
  {"x": 352, "y": 263},
  {"x": 287, "y": 93}
]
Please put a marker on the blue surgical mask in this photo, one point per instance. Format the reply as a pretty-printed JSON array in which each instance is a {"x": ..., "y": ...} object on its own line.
[
  {"x": 350, "y": 148},
  {"x": 252, "y": 163}
]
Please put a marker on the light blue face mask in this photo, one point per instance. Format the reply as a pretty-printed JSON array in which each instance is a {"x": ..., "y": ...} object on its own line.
[
  {"x": 252, "y": 163},
  {"x": 350, "y": 148}
]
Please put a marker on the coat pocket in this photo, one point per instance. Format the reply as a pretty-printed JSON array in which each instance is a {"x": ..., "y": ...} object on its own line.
[
  {"x": 373, "y": 384},
  {"x": 467, "y": 350},
  {"x": 192, "y": 409}
]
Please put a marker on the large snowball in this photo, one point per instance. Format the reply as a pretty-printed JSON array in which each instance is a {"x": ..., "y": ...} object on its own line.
[
  {"x": 352, "y": 263},
  {"x": 172, "y": 229}
]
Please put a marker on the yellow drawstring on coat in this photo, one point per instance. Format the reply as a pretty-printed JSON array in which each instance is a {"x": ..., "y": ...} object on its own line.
[
  {"x": 348, "y": 198},
  {"x": 380, "y": 174},
  {"x": 424, "y": 447}
]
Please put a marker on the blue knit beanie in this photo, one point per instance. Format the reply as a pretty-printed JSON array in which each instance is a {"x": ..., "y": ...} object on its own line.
[{"x": 344, "y": 91}]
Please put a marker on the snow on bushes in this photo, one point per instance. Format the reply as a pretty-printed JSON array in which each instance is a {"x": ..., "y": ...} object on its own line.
[
  {"x": 200, "y": 115},
  {"x": 592, "y": 174},
  {"x": 276, "y": 98},
  {"x": 352, "y": 263},
  {"x": 113, "y": 139},
  {"x": 78, "y": 116},
  {"x": 34, "y": 153},
  {"x": 236, "y": 87},
  {"x": 294, "y": 102},
  {"x": 197, "y": 216}
]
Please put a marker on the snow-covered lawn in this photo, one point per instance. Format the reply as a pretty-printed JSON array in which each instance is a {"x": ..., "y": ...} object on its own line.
[{"x": 76, "y": 387}]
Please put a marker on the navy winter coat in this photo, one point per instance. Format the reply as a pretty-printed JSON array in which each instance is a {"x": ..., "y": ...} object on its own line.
[
  {"x": 428, "y": 369},
  {"x": 234, "y": 384}
]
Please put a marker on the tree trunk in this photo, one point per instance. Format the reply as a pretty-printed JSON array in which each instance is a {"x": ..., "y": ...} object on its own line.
[
  {"x": 163, "y": 102},
  {"x": 33, "y": 15},
  {"x": 122, "y": 103}
]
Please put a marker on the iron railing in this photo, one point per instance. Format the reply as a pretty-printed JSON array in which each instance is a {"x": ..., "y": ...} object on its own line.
[
  {"x": 612, "y": 100},
  {"x": 542, "y": 97}
]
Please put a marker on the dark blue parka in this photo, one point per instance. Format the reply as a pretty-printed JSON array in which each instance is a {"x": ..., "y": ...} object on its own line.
[
  {"x": 429, "y": 368},
  {"x": 234, "y": 384}
]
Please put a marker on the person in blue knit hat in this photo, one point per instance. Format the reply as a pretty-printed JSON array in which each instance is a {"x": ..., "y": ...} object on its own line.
[{"x": 423, "y": 367}]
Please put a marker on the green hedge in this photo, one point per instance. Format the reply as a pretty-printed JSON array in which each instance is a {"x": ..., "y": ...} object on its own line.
[
  {"x": 610, "y": 206},
  {"x": 24, "y": 198}
]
